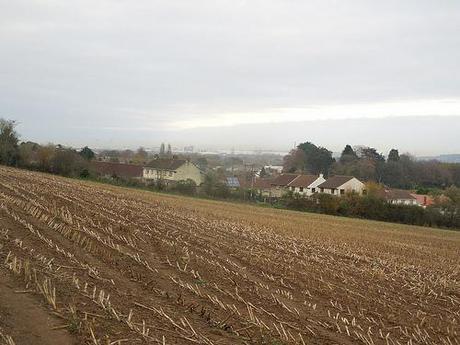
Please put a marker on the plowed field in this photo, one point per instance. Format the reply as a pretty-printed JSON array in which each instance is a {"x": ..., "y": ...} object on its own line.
[{"x": 103, "y": 265}]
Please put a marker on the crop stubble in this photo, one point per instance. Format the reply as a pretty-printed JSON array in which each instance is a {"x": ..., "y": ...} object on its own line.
[{"x": 126, "y": 267}]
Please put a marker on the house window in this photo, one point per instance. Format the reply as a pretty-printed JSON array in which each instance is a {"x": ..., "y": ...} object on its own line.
[
  {"x": 342, "y": 191},
  {"x": 321, "y": 190},
  {"x": 313, "y": 190},
  {"x": 301, "y": 189},
  {"x": 332, "y": 190}
]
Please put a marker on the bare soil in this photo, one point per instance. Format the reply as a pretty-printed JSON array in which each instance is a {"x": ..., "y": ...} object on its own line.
[
  {"x": 117, "y": 266},
  {"x": 26, "y": 319}
]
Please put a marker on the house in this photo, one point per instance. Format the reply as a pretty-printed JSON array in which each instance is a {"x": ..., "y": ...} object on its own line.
[
  {"x": 306, "y": 185},
  {"x": 423, "y": 200},
  {"x": 280, "y": 183},
  {"x": 398, "y": 197},
  {"x": 120, "y": 170},
  {"x": 273, "y": 170},
  {"x": 339, "y": 185},
  {"x": 172, "y": 171},
  {"x": 263, "y": 186}
]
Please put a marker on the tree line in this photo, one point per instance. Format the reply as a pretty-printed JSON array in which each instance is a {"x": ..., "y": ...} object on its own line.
[
  {"x": 363, "y": 162},
  {"x": 444, "y": 214},
  {"x": 367, "y": 164},
  {"x": 51, "y": 158}
]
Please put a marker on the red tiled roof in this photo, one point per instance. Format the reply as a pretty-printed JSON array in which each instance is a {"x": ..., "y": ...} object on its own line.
[
  {"x": 335, "y": 181},
  {"x": 284, "y": 179},
  {"x": 117, "y": 169},
  {"x": 263, "y": 183},
  {"x": 303, "y": 181},
  {"x": 424, "y": 200},
  {"x": 244, "y": 183}
]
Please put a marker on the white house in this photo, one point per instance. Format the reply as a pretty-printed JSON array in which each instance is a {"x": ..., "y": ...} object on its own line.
[
  {"x": 277, "y": 169},
  {"x": 339, "y": 185},
  {"x": 173, "y": 170},
  {"x": 306, "y": 185}
]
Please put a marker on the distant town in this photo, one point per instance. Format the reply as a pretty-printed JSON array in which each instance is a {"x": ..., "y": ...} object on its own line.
[{"x": 359, "y": 182}]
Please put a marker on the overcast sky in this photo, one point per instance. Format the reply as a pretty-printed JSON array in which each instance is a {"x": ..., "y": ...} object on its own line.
[{"x": 214, "y": 73}]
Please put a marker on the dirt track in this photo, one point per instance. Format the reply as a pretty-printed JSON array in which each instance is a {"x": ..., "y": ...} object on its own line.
[
  {"x": 25, "y": 320},
  {"x": 140, "y": 268}
]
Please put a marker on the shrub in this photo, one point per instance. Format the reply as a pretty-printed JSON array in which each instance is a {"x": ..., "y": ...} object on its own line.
[
  {"x": 187, "y": 187},
  {"x": 373, "y": 207}
]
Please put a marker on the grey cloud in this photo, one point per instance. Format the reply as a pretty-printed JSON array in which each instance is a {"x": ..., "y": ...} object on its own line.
[{"x": 110, "y": 64}]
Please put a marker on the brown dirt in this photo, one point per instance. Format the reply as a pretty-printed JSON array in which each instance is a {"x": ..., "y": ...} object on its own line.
[
  {"x": 140, "y": 267},
  {"x": 25, "y": 319}
]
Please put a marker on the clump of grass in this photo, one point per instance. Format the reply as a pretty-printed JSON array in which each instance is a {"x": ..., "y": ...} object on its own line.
[
  {"x": 200, "y": 282},
  {"x": 74, "y": 322}
]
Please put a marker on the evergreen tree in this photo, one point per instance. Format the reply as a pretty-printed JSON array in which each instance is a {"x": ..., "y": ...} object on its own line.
[
  {"x": 263, "y": 173},
  {"x": 317, "y": 159},
  {"x": 87, "y": 153},
  {"x": 393, "y": 156},
  {"x": 348, "y": 155},
  {"x": 9, "y": 149},
  {"x": 371, "y": 154}
]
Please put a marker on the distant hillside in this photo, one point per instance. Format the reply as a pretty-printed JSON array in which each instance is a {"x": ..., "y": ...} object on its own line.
[{"x": 452, "y": 158}]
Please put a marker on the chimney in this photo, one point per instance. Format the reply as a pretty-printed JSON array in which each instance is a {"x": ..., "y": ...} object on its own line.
[{"x": 321, "y": 176}]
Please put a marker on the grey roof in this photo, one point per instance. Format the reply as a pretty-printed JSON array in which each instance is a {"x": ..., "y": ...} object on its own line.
[
  {"x": 166, "y": 164},
  {"x": 335, "y": 181}
]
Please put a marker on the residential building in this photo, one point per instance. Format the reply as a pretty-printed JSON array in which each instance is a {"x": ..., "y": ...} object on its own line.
[
  {"x": 172, "y": 171},
  {"x": 263, "y": 186},
  {"x": 306, "y": 185},
  {"x": 280, "y": 183},
  {"x": 399, "y": 197},
  {"x": 272, "y": 170},
  {"x": 339, "y": 185}
]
